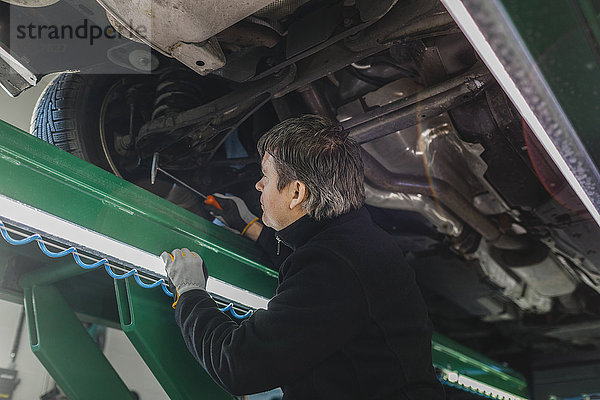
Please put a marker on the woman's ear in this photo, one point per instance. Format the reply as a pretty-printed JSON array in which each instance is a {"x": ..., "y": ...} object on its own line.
[{"x": 297, "y": 193}]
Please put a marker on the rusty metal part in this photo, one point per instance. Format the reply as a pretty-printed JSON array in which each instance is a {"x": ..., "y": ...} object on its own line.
[
  {"x": 413, "y": 109},
  {"x": 203, "y": 57},
  {"x": 440, "y": 22},
  {"x": 246, "y": 34},
  {"x": 279, "y": 9},
  {"x": 383, "y": 179},
  {"x": 320, "y": 49},
  {"x": 406, "y": 21},
  {"x": 315, "y": 101},
  {"x": 336, "y": 54}
]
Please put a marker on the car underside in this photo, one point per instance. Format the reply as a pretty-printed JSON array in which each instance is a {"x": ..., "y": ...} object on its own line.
[{"x": 503, "y": 249}]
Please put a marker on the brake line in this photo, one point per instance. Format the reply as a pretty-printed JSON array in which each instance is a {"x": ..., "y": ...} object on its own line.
[{"x": 43, "y": 245}]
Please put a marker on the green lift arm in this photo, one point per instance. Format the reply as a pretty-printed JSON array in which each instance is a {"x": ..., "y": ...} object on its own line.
[
  {"x": 57, "y": 292},
  {"x": 148, "y": 322},
  {"x": 66, "y": 349}
]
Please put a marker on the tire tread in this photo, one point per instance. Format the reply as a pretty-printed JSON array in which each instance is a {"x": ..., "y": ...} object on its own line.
[{"x": 54, "y": 117}]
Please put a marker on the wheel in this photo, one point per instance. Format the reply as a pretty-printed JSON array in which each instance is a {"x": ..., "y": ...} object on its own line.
[
  {"x": 67, "y": 115},
  {"x": 97, "y": 118},
  {"x": 92, "y": 117}
]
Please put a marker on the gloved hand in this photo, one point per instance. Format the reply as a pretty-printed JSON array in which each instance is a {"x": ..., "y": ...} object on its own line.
[
  {"x": 235, "y": 214},
  {"x": 185, "y": 269}
]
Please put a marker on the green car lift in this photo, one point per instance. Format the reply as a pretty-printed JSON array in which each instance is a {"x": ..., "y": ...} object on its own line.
[
  {"x": 55, "y": 292},
  {"x": 59, "y": 295}
]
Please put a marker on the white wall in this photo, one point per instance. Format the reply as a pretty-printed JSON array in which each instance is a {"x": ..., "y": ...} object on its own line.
[
  {"x": 130, "y": 366},
  {"x": 17, "y": 110},
  {"x": 35, "y": 381}
]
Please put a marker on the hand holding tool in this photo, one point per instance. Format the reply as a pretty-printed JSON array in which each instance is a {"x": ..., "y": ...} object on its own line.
[{"x": 234, "y": 213}]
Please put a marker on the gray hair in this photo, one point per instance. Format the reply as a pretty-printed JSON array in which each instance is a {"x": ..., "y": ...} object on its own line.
[{"x": 322, "y": 156}]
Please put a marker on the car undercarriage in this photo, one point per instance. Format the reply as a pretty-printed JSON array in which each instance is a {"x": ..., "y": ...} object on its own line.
[{"x": 504, "y": 250}]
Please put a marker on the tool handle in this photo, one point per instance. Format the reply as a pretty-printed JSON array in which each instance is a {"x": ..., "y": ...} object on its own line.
[{"x": 211, "y": 201}]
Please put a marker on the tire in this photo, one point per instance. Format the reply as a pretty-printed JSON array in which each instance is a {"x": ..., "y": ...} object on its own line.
[{"x": 67, "y": 115}]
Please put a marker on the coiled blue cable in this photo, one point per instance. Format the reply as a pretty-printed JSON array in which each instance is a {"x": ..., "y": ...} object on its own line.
[
  {"x": 133, "y": 272},
  {"x": 116, "y": 276},
  {"x": 20, "y": 241}
]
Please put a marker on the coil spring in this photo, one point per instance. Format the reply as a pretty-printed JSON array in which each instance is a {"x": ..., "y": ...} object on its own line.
[{"x": 177, "y": 90}]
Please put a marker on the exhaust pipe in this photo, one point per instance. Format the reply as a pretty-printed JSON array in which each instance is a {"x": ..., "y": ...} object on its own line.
[{"x": 383, "y": 179}]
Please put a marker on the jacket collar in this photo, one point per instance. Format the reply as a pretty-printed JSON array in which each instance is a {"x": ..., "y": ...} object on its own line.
[{"x": 300, "y": 231}]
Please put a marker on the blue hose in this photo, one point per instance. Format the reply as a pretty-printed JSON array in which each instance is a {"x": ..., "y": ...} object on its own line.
[{"x": 134, "y": 272}]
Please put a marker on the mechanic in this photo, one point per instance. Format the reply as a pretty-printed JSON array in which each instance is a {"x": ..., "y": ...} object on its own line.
[{"x": 348, "y": 320}]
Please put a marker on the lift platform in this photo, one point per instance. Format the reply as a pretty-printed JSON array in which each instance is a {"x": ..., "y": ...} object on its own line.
[{"x": 114, "y": 277}]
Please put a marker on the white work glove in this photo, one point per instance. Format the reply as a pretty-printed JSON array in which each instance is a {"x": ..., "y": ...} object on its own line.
[
  {"x": 235, "y": 213},
  {"x": 185, "y": 270}
]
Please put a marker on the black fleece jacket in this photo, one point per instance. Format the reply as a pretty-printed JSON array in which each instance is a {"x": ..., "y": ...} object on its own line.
[{"x": 347, "y": 322}]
